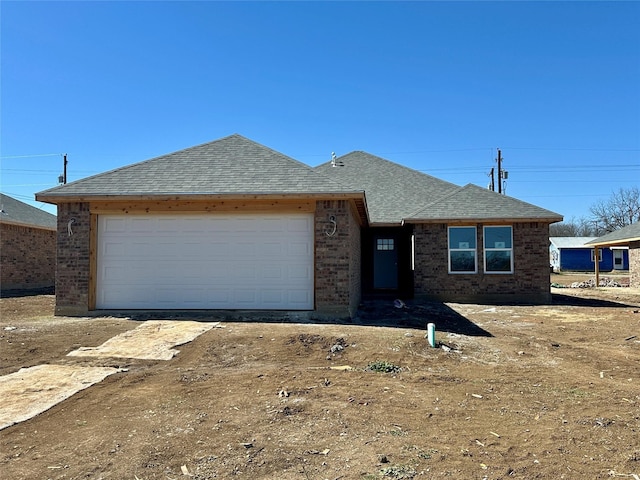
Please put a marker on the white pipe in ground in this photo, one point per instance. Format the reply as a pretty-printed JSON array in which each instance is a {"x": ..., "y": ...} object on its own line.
[{"x": 431, "y": 334}]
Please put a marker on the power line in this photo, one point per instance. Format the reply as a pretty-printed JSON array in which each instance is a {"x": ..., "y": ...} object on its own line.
[
  {"x": 28, "y": 185},
  {"x": 32, "y": 156}
]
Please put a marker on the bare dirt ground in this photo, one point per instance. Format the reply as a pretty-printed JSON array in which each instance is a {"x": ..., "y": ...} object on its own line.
[{"x": 518, "y": 391}]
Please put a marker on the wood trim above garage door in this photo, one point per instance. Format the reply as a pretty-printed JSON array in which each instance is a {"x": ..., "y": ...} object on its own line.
[{"x": 189, "y": 206}]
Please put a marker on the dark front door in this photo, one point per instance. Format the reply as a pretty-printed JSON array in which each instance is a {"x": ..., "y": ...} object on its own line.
[{"x": 385, "y": 262}]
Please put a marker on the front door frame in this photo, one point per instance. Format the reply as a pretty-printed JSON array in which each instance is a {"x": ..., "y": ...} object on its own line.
[{"x": 402, "y": 243}]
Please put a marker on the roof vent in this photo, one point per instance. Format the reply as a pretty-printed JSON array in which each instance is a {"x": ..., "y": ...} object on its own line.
[{"x": 335, "y": 162}]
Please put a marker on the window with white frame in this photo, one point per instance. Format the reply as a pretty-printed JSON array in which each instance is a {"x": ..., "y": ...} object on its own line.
[
  {"x": 593, "y": 255},
  {"x": 462, "y": 250},
  {"x": 498, "y": 249}
]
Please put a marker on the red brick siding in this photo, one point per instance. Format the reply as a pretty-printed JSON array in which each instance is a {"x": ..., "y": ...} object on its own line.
[
  {"x": 72, "y": 276},
  {"x": 27, "y": 257},
  {"x": 337, "y": 259},
  {"x": 634, "y": 264},
  {"x": 529, "y": 282}
]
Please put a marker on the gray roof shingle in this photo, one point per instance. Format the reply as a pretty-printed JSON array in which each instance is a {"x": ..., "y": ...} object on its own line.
[
  {"x": 621, "y": 236},
  {"x": 476, "y": 203},
  {"x": 231, "y": 165},
  {"x": 235, "y": 165},
  {"x": 15, "y": 211},
  {"x": 393, "y": 191}
]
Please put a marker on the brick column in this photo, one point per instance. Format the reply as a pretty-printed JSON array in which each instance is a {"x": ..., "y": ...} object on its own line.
[
  {"x": 72, "y": 272},
  {"x": 634, "y": 264},
  {"x": 337, "y": 259}
]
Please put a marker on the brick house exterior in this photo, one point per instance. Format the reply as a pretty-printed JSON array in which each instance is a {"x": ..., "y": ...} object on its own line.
[
  {"x": 27, "y": 246},
  {"x": 375, "y": 228},
  {"x": 529, "y": 281}
]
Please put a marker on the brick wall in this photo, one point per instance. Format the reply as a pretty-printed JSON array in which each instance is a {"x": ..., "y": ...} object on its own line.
[
  {"x": 27, "y": 257},
  {"x": 634, "y": 264},
  {"x": 72, "y": 276},
  {"x": 529, "y": 282},
  {"x": 337, "y": 259}
]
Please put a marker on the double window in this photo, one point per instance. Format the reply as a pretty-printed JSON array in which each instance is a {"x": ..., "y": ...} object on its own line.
[{"x": 498, "y": 249}]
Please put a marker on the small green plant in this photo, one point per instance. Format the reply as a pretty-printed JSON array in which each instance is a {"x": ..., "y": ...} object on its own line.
[
  {"x": 423, "y": 454},
  {"x": 426, "y": 455},
  {"x": 382, "y": 366},
  {"x": 577, "y": 392},
  {"x": 398, "y": 471}
]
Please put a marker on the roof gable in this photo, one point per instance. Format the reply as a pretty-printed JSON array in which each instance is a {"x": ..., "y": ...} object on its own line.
[
  {"x": 393, "y": 191},
  {"x": 473, "y": 203},
  {"x": 231, "y": 165},
  {"x": 15, "y": 211}
]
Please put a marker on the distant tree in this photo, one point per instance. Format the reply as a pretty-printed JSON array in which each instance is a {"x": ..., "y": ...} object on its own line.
[
  {"x": 620, "y": 210},
  {"x": 563, "y": 229},
  {"x": 581, "y": 227}
]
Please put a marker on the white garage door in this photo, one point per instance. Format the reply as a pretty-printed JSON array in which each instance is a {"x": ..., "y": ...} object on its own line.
[{"x": 205, "y": 262}]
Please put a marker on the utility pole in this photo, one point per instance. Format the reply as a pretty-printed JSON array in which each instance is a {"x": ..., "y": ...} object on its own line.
[
  {"x": 63, "y": 178},
  {"x": 499, "y": 171},
  {"x": 492, "y": 185}
]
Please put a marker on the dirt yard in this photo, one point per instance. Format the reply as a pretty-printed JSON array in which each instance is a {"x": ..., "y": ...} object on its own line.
[{"x": 511, "y": 391}]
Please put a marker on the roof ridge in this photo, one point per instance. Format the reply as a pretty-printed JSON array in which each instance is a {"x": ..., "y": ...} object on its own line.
[
  {"x": 141, "y": 162},
  {"x": 392, "y": 163}
]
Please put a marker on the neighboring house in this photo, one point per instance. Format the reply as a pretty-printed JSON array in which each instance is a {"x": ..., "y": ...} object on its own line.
[
  {"x": 27, "y": 246},
  {"x": 232, "y": 224},
  {"x": 572, "y": 254},
  {"x": 628, "y": 236}
]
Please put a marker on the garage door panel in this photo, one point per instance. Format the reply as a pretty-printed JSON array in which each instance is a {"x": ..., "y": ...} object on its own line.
[
  {"x": 298, "y": 297},
  {"x": 205, "y": 261},
  {"x": 299, "y": 248}
]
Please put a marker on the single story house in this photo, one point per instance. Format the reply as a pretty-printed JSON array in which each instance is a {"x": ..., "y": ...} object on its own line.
[
  {"x": 27, "y": 246},
  {"x": 234, "y": 225},
  {"x": 628, "y": 236},
  {"x": 572, "y": 254}
]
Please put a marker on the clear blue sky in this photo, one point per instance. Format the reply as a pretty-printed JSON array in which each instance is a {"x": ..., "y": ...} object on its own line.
[{"x": 436, "y": 86}]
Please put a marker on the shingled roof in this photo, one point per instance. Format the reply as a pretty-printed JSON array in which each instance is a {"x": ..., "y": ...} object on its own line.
[
  {"x": 393, "y": 191},
  {"x": 19, "y": 213},
  {"x": 630, "y": 233},
  {"x": 233, "y": 165},
  {"x": 480, "y": 204}
]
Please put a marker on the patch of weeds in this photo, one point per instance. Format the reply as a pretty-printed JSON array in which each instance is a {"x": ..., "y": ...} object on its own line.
[
  {"x": 382, "y": 366},
  {"x": 369, "y": 476},
  {"x": 398, "y": 471},
  {"x": 397, "y": 433},
  {"x": 422, "y": 454},
  {"x": 576, "y": 392},
  {"x": 426, "y": 455}
]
